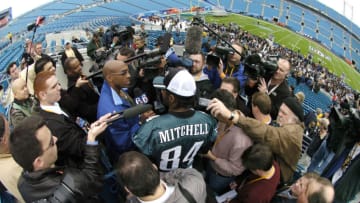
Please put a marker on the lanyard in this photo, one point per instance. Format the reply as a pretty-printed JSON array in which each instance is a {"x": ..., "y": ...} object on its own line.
[
  {"x": 232, "y": 70},
  {"x": 273, "y": 89},
  {"x": 221, "y": 136},
  {"x": 262, "y": 177}
]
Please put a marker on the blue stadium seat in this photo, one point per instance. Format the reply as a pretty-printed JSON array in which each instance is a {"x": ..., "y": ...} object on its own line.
[
  {"x": 53, "y": 46},
  {"x": 295, "y": 26},
  {"x": 271, "y": 12},
  {"x": 255, "y": 9}
]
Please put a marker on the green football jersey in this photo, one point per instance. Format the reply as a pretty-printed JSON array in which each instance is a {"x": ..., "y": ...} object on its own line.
[{"x": 172, "y": 141}]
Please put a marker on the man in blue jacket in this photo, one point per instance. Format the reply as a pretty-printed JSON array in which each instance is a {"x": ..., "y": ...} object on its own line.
[{"x": 114, "y": 98}]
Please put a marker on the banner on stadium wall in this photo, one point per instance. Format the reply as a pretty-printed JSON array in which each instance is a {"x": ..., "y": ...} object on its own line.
[{"x": 5, "y": 17}]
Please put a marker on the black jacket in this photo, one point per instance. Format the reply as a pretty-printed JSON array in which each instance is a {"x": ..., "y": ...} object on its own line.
[
  {"x": 86, "y": 98},
  {"x": 84, "y": 184},
  {"x": 277, "y": 97},
  {"x": 71, "y": 138}
]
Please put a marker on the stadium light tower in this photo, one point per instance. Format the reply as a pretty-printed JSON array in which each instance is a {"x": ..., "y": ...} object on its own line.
[{"x": 348, "y": 5}]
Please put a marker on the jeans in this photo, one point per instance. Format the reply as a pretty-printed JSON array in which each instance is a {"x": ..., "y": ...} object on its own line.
[{"x": 218, "y": 183}]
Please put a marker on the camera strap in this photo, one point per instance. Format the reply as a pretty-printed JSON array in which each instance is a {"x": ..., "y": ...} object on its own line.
[
  {"x": 273, "y": 89},
  {"x": 188, "y": 196}
]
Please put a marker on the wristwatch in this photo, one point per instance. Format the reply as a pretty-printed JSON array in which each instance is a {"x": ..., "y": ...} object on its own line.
[{"x": 232, "y": 116}]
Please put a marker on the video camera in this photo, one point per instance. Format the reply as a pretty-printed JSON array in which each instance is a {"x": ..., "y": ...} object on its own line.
[
  {"x": 124, "y": 33},
  {"x": 220, "y": 53},
  {"x": 150, "y": 67},
  {"x": 100, "y": 57},
  {"x": 256, "y": 67},
  {"x": 343, "y": 129},
  {"x": 183, "y": 62}
]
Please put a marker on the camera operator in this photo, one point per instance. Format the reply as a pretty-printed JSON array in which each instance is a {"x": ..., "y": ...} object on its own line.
[
  {"x": 148, "y": 70},
  {"x": 203, "y": 85},
  {"x": 139, "y": 44},
  {"x": 108, "y": 37},
  {"x": 233, "y": 66},
  {"x": 95, "y": 45},
  {"x": 143, "y": 33},
  {"x": 276, "y": 86},
  {"x": 145, "y": 77},
  {"x": 26, "y": 59}
]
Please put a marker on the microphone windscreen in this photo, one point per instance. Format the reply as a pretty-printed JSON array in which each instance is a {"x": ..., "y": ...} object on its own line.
[
  {"x": 193, "y": 40},
  {"x": 136, "y": 110},
  {"x": 40, "y": 20},
  {"x": 166, "y": 43}
]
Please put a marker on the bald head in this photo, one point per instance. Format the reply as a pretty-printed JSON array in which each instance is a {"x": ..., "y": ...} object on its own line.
[
  {"x": 320, "y": 190},
  {"x": 20, "y": 89},
  {"x": 112, "y": 66},
  {"x": 116, "y": 73}
]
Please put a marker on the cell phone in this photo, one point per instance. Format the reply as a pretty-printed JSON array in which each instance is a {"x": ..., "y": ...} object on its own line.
[{"x": 204, "y": 102}]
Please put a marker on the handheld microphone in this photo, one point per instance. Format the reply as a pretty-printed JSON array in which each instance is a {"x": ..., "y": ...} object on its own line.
[
  {"x": 130, "y": 112},
  {"x": 193, "y": 40}
]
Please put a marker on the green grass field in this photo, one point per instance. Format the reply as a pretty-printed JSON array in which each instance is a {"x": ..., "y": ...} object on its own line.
[{"x": 294, "y": 41}]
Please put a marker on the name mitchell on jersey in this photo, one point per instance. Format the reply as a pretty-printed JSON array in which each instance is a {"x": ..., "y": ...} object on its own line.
[{"x": 184, "y": 130}]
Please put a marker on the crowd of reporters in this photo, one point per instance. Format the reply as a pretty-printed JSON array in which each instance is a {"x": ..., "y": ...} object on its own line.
[{"x": 228, "y": 121}]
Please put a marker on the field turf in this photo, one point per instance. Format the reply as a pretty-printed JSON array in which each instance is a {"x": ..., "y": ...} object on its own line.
[{"x": 294, "y": 41}]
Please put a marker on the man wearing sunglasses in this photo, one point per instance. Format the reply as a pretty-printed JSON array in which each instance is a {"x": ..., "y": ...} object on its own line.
[
  {"x": 34, "y": 148},
  {"x": 115, "y": 98}
]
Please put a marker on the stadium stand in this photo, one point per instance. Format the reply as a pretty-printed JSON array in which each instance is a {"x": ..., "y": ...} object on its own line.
[
  {"x": 302, "y": 17},
  {"x": 114, "y": 12}
]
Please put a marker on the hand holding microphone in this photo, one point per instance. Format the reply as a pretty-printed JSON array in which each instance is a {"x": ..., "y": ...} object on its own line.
[
  {"x": 81, "y": 81},
  {"x": 129, "y": 113},
  {"x": 98, "y": 127}
]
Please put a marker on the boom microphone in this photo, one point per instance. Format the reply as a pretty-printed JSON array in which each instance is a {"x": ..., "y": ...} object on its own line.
[
  {"x": 150, "y": 62},
  {"x": 193, "y": 40},
  {"x": 131, "y": 112}
]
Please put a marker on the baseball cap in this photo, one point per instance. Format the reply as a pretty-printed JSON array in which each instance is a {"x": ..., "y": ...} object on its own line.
[
  {"x": 67, "y": 42},
  {"x": 177, "y": 81},
  {"x": 295, "y": 107}
]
